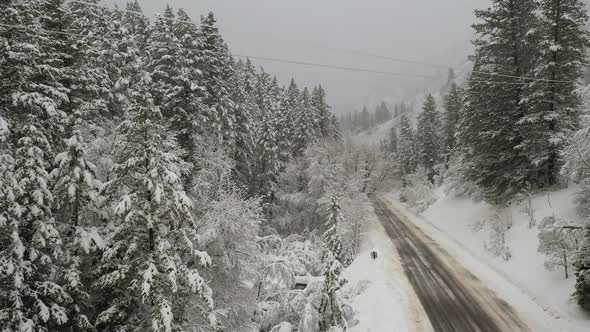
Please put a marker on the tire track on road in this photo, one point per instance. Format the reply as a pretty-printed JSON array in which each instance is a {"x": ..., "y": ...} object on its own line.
[{"x": 454, "y": 299}]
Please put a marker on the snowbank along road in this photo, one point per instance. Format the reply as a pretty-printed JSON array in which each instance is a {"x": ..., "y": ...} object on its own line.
[{"x": 452, "y": 297}]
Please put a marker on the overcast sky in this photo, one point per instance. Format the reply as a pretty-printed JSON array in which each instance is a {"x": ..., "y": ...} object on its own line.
[{"x": 433, "y": 31}]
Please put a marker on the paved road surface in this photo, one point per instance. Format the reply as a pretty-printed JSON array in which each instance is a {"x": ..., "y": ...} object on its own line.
[{"x": 453, "y": 298}]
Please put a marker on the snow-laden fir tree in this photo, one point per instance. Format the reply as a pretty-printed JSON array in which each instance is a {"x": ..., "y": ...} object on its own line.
[
  {"x": 330, "y": 310},
  {"x": 490, "y": 133},
  {"x": 215, "y": 64},
  {"x": 392, "y": 143},
  {"x": 407, "y": 154},
  {"x": 582, "y": 265},
  {"x": 318, "y": 99},
  {"x": 90, "y": 86},
  {"x": 334, "y": 257},
  {"x": 31, "y": 298},
  {"x": 428, "y": 139},
  {"x": 290, "y": 106},
  {"x": 78, "y": 202},
  {"x": 270, "y": 149},
  {"x": 151, "y": 268},
  {"x": 332, "y": 236},
  {"x": 161, "y": 59},
  {"x": 127, "y": 38},
  {"x": 171, "y": 57},
  {"x": 243, "y": 86},
  {"x": 305, "y": 125},
  {"x": 334, "y": 131},
  {"x": 552, "y": 107},
  {"x": 452, "y": 105},
  {"x": 29, "y": 257},
  {"x": 187, "y": 112}
]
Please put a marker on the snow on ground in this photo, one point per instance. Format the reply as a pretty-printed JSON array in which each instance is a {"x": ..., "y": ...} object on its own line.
[
  {"x": 542, "y": 297},
  {"x": 387, "y": 303}
]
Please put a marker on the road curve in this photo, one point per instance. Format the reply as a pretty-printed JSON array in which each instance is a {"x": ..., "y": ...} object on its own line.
[{"x": 453, "y": 298}]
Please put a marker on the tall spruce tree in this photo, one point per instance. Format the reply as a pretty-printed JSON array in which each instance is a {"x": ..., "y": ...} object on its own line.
[
  {"x": 452, "y": 104},
  {"x": 333, "y": 259},
  {"x": 505, "y": 46},
  {"x": 151, "y": 266},
  {"x": 90, "y": 84},
  {"x": 184, "y": 103},
  {"x": 304, "y": 124},
  {"x": 215, "y": 64},
  {"x": 393, "y": 141},
  {"x": 582, "y": 265},
  {"x": 407, "y": 152},
  {"x": 318, "y": 99},
  {"x": 268, "y": 147},
  {"x": 428, "y": 138},
  {"x": 553, "y": 108},
  {"x": 78, "y": 202}
]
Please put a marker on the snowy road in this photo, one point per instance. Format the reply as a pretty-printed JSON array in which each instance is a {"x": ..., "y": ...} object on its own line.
[{"x": 452, "y": 297}]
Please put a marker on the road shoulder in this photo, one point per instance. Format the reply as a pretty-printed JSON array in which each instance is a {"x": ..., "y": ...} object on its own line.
[{"x": 389, "y": 302}]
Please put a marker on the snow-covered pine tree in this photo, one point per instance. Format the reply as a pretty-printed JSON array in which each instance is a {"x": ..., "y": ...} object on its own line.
[
  {"x": 332, "y": 238},
  {"x": 304, "y": 125},
  {"x": 392, "y": 144},
  {"x": 90, "y": 86},
  {"x": 452, "y": 104},
  {"x": 504, "y": 45},
  {"x": 151, "y": 266},
  {"x": 126, "y": 40},
  {"x": 330, "y": 310},
  {"x": 334, "y": 131},
  {"x": 407, "y": 154},
  {"x": 552, "y": 107},
  {"x": 270, "y": 150},
  {"x": 318, "y": 99},
  {"x": 290, "y": 106},
  {"x": 29, "y": 258},
  {"x": 428, "y": 138},
  {"x": 171, "y": 57},
  {"x": 215, "y": 64},
  {"x": 38, "y": 62},
  {"x": 243, "y": 91},
  {"x": 188, "y": 113},
  {"x": 162, "y": 61},
  {"x": 582, "y": 265},
  {"x": 77, "y": 200}
]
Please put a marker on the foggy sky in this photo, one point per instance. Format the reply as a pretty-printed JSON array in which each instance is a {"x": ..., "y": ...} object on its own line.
[{"x": 434, "y": 31}]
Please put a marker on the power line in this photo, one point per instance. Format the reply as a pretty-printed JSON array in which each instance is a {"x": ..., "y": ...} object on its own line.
[
  {"x": 288, "y": 61},
  {"x": 311, "y": 64},
  {"x": 520, "y": 77},
  {"x": 344, "y": 50}
]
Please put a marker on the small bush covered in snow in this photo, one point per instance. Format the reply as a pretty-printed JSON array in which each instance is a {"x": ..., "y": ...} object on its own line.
[
  {"x": 560, "y": 243},
  {"x": 419, "y": 191}
]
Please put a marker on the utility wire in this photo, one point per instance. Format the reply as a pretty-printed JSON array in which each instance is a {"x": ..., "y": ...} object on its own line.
[
  {"x": 48, "y": 31},
  {"x": 343, "y": 50},
  {"x": 311, "y": 64},
  {"x": 288, "y": 61}
]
